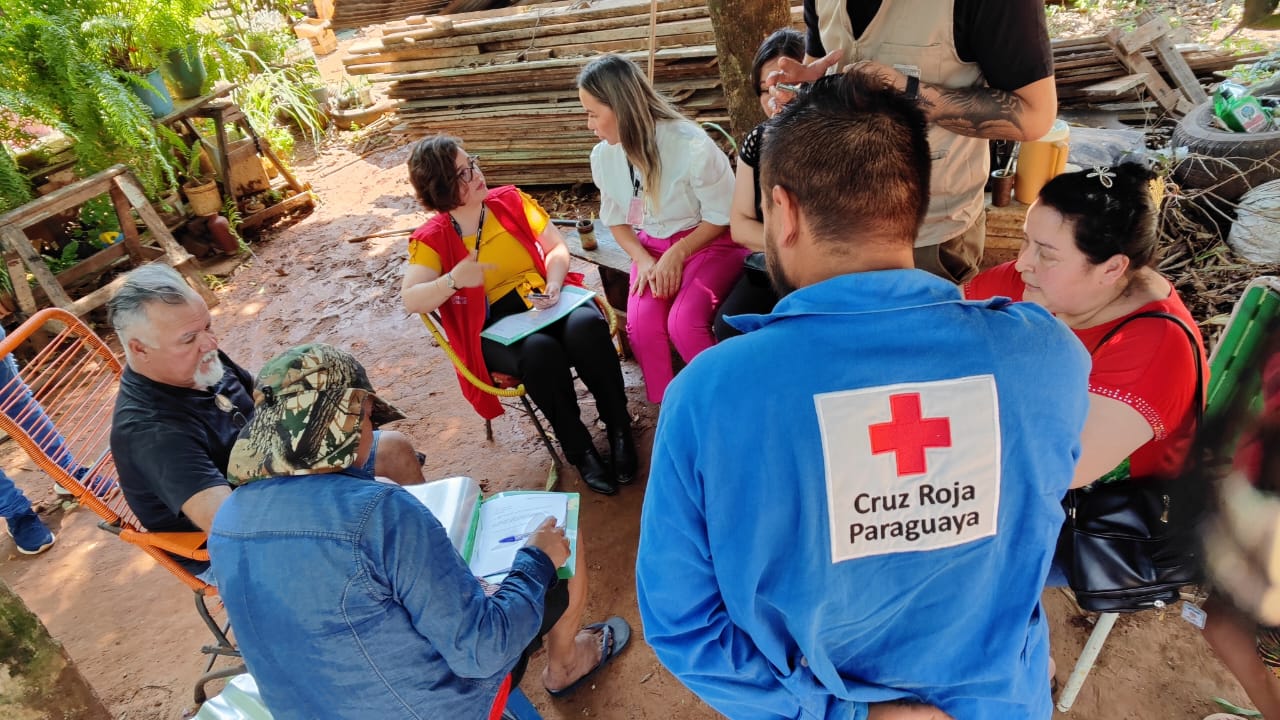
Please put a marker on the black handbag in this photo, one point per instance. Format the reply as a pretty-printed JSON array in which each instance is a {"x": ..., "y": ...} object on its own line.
[{"x": 1129, "y": 545}]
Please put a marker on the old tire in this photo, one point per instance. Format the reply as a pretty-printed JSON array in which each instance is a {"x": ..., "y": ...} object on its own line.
[{"x": 1227, "y": 164}]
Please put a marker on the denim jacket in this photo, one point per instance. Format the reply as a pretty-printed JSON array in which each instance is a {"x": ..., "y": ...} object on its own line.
[{"x": 348, "y": 601}]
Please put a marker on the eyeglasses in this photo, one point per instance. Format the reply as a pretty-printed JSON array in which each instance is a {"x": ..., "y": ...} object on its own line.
[
  {"x": 225, "y": 404},
  {"x": 468, "y": 173}
]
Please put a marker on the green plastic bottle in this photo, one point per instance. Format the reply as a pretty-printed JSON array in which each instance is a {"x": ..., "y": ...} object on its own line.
[{"x": 1240, "y": 111}]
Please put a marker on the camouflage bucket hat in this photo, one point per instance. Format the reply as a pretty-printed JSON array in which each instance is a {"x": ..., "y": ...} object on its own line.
[{"x": 307, "y": 405}]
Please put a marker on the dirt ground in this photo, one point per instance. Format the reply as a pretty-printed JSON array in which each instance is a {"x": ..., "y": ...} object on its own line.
[{"x": 131, "y": 628}]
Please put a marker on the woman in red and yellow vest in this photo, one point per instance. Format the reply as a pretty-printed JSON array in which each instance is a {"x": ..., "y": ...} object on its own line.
[{"x": 477, "y": 261}]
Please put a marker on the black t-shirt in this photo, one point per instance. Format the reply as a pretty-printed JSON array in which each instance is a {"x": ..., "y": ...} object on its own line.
[
  {"x": 170, "y": 443},
  {"x": 1008, "y": 39},
  {"x": 749, "y": 154}
]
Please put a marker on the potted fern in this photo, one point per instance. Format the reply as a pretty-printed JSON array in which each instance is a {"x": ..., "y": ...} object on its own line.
[{"x": 200, "y": 186}]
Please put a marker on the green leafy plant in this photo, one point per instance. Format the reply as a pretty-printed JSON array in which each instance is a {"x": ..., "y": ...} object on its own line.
[
  {"x": 14, "y": 188},
  {"x": 97, "y": 216},
  {"x": 55, "y": 73},
  {"x": 276, "y": 93},
  {"x": 64, "y": 260}
]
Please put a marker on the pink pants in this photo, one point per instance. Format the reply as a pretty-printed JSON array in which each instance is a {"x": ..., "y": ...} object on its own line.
[{"x": 654, "y": 324}]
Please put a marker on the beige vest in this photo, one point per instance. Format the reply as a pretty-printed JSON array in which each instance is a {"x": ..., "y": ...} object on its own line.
[{"x": 920, "y": 33}]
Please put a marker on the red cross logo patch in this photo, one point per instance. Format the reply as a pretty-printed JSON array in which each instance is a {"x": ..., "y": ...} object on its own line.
[
  {"x": 911, "y": 467},
  {"x": 908, "y": 435}
]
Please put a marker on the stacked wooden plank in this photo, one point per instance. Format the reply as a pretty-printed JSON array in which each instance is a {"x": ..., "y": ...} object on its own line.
[
  {"x": 504, "y": 80},
  {"x": 1088, "y": 70},
  {"x": 358, "y": 13}
]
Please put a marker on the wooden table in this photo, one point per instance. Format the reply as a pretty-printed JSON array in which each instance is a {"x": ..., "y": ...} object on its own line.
[
  {"x": 609, "y": 258},
  {"x": 225, "y": 114},
  {"x": 127, "y": 197},
  {"x": 614, "y": 266}
]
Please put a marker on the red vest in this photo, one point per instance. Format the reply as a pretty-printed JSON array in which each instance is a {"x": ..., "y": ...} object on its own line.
[{"x": 463, "y": 315}]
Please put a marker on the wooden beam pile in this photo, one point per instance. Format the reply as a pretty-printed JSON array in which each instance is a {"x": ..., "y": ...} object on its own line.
[
  {"x": 358, "y": 13},
  {"x": 1088, "y": 70},
  {"x": 504, "y": 80}
]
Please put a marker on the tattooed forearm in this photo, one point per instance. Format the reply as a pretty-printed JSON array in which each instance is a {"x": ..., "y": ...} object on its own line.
[{"x": 978, "y": 112}]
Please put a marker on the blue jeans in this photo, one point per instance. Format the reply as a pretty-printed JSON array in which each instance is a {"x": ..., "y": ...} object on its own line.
[
  {"x": 12, "y": 501},
  {"x": 22, "y": 408}
]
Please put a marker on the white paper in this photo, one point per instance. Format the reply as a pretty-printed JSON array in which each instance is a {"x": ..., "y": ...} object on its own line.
[
  {"x": 453, "y": 502},
  {"x": 505, "y": 525},
  {"x": 514, "y": 327}
]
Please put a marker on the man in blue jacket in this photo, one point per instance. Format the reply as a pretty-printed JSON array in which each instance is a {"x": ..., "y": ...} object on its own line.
[
  {"x": 853, "y": 506},
  {"x": 347, "y": 599}
]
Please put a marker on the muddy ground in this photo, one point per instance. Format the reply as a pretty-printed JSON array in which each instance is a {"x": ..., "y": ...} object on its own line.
[{"x": 131, "y": 627}]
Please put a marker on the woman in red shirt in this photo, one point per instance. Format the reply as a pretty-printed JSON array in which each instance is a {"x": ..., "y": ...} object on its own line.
[{"x": 1087, "y": 257}]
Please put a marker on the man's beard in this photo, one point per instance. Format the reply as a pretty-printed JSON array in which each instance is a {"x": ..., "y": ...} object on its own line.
[
  {"x": 773, "y": 266},
  {"x": 206, "y": 379}
]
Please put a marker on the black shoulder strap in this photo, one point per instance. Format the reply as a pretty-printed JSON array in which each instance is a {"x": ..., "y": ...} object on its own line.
[{"x": 1191, "y": 338}]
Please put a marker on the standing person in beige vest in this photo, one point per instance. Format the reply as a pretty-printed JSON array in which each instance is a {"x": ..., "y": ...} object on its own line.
[{"x": 983, "y": 70}]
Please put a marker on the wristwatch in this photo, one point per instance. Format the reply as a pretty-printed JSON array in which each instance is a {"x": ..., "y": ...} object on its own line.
[{"x": 448, "y": 280}]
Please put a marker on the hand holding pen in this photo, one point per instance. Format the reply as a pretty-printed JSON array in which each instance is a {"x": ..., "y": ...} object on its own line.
[{"x": 551, "y": 540}]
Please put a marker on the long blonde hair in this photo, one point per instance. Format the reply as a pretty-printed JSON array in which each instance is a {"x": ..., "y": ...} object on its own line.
[{"x": 618, "y": 83}]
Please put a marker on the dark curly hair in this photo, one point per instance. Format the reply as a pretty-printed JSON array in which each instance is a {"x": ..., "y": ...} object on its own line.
[
  {"x": 434, "y": 174},
  {"x": 1108, "y": 221}
]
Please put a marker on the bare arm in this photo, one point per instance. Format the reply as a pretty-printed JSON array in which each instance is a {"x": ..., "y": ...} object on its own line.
[
  {"x": 984, "y": 112},
  {"x": 666, "y": 275},
  {"x": 424, "y": 289},
  {"x": 557, "y": 254},
  {"x": 1112, "y": 431},
  {"x": 201, "y": 507},
  {"x": 746, "y": 229},
  {"x": 1024, "y": 114}
]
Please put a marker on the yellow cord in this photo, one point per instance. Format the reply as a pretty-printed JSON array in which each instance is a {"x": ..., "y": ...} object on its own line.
[{"x": 489, "y": 388}]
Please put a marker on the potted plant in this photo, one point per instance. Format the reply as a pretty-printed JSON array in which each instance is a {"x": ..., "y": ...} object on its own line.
[
  {"x": 51, "y": 64},
  {"x": 356, "y": 106},
  {"x": 200, "y": 187}
]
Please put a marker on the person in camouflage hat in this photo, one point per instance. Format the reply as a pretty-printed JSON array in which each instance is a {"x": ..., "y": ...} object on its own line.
[
  {"x": 347, "y": 598},
  {"x": 308, "y": 403},
  {"x": 182, "y": 405}
]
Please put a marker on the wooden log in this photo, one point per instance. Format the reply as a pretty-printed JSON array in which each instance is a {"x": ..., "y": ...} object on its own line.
[
  {"x": 1173, "y": 61},
  {"x": 1169, "y": 99},
  {"x": 1115, "y": 87}
]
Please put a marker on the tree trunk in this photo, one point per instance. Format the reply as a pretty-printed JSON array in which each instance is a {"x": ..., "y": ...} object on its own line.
[{"x": 740, "y": 26}]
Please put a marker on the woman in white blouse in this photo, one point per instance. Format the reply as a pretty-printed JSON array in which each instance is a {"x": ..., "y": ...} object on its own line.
[{"x": 665, "y": 193}]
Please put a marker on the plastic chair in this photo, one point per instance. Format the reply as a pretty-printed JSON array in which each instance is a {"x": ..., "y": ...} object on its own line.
[
  {"x": 74, "y": 378},
  {"x": 502, "y": 385},
  {"x": 1257, "y": 308}
]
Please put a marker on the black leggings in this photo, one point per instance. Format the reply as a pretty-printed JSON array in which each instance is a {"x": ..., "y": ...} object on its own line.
[
  {"x": 752, "y": 295},
  {"x": 543, "y": 360}
]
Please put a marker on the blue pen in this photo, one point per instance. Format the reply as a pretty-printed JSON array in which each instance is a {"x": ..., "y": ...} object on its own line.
[{"x": 514, "y": 538}]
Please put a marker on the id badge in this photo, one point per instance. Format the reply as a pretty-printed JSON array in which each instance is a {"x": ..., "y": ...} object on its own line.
[{"x": 635, "y": 211}]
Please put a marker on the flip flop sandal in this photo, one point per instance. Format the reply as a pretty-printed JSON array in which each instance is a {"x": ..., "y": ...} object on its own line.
[{"x": 615, "y": 633}]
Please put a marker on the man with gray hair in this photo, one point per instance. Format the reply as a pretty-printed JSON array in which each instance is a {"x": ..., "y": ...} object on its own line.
[{"x": 182, "y": 404}]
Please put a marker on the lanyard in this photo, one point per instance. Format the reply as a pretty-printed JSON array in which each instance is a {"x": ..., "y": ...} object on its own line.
[
  {"x": 635, "y": 181},
  {"x": 479, "y": 229}
]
